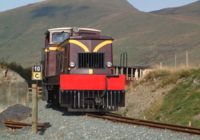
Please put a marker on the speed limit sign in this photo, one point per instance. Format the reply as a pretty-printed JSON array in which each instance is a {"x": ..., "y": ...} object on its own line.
[{"x": 37, "y": 72}]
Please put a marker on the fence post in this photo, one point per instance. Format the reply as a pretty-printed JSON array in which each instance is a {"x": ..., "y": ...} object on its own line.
[
  {"x": 122, "y": 70},
  {"x": 175, "y": 61},
  {"x": 116, "y": 70},
  {"x": 131, "y": 73},
  {"x": 136, "y": 74},
  {"x": 189, "y": 123},
  {"x": 161, "y": 65},
  {"x": 127, "y": 76},
  {"x": 187, "y": 59}
]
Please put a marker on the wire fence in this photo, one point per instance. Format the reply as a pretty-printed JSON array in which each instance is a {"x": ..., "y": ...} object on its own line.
[{"x": 180, "y": 60}]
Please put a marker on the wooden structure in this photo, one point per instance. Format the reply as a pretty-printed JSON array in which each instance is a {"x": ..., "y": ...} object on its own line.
[{"x": 132, "y": 73}]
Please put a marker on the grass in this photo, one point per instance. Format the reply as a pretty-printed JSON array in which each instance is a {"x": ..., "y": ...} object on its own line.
[
  {"x": 167, "y": 76},
  {"x": 181, "y": 104}
]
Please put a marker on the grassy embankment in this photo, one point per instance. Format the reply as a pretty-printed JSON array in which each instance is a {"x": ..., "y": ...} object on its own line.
[{"x": 181, "y": 104}]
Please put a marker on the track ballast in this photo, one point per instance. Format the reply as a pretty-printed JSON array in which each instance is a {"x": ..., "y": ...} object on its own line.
[{"x": 121, "y": 119}]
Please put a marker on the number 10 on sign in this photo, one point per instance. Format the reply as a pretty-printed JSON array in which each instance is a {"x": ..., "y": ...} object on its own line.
[{"x": 37, "y": 72}]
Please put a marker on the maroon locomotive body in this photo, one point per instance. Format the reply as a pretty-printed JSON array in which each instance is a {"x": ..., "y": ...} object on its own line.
[{"x": 78, "y": 73}]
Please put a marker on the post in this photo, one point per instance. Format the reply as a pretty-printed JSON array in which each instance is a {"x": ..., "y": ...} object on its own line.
[
  {"x": 122, "y": 70},
  {"x": 141, "y": 73},
  {"x": 116, "y": 70},
  {"x": 161, "y": 65},
  {"x": 136, "y": 74},
  {"x": 34, "y": 108},
  {"x": 187, "y": 59},
  {"x": 131, "y": 73},
  {"x": 175, "y": 61},
  {"x": 121, "y": 59},
  {"x": 127, "y": 73},
  {"x": 126, "y": 58},
  {"x": 36, "y": 76},
  {"x": 189, "y": 123}
]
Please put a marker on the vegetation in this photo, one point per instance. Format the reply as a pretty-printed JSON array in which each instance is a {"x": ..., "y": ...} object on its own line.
[
  {"x": 23, "y": 72},
  {"x": 181, "y": 104},
  {"x": 167, "y": 76}
]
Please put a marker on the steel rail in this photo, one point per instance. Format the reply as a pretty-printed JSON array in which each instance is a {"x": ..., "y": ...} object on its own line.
[
  {"x": 18, "y": 125},
  {"x": 121, "y": 119}
]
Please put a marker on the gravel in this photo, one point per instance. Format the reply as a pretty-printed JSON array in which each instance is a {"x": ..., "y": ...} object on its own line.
[
  {"x": 66, "y": 126},
  {"x": 16, "y": 112}
]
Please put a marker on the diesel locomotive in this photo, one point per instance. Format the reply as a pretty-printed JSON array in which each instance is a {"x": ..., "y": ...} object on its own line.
[{"x": 78, "y": 71}]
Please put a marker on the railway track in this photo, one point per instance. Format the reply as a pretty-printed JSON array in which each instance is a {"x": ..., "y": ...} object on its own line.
[
  {"x": 18, "y": 125},
  {"x": 121, "y": 119}
]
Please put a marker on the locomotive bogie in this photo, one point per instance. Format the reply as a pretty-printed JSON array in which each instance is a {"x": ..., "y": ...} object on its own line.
[{"x": 92, "y": 100}]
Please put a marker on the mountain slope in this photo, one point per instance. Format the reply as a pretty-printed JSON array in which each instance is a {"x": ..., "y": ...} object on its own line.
[
  {"x": 22, "y": 29},
  {"x": 192, "y": 9},
  {"x": 148, "y": 38}
]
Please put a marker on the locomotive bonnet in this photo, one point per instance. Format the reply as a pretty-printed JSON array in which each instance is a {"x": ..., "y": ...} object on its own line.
[{"x": 78, "y": 71}]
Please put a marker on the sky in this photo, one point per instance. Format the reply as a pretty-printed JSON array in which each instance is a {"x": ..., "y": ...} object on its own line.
[
  {"x": 142, "y": 5},
  {"x": 152, "y": 5},
  {"x": 10, "y": 4}
]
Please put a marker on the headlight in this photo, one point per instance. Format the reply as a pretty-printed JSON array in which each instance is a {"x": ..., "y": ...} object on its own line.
[
  {"x": 72, "y": 64},
  {"x": 75, "y": 29},
  {"x": 109, "y": 64}
]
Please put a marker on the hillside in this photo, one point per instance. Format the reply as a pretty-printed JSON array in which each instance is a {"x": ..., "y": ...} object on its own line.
[
  {"x": 192, "y": 10},
  {"x": 148, "y": 38},
  {"x": 169, "y": 96}
]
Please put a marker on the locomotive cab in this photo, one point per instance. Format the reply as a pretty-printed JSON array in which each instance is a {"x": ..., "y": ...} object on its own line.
[
  {"x": 78, "y": 70},
  {"x": 88, "y": 56}
]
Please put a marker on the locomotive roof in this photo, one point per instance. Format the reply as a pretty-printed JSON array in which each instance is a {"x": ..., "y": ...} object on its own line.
[
  {"x": 79, "y": 33},
  {"x": 71, "y": 28},
  {"x": 92, "y": 37}
]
